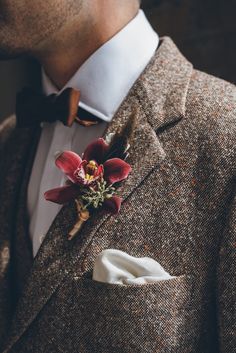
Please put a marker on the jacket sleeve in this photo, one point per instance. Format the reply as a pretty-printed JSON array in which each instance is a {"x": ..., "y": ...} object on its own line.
[{"x": 226, "y": 282}]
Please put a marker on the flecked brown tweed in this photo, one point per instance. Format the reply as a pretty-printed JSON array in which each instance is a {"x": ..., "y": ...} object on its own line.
[{"x": 179, "y": 208}]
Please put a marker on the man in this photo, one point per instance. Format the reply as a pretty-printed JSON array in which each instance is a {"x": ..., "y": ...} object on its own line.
[{"x": 179, "y": 202}]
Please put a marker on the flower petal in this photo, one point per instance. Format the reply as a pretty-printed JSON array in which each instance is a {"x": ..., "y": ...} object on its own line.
[
  {"x": 112, "y": 205},
  {"x": 62, "y": 194},
  {"x": 96, "y": 151},
  {"x": 115, "y": 170},
  {"x": 68, "y": 162},
  {"x": 79, "y": 174}
]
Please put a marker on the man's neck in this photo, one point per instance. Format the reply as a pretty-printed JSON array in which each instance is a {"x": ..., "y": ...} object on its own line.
[{"x": 77, "y": 41}]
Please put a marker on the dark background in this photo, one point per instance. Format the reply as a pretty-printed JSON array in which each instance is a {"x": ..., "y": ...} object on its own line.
[{"x": 204, "y": 30}]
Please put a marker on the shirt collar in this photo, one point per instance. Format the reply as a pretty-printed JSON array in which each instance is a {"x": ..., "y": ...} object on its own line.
[{"x": 108, "y": 74}]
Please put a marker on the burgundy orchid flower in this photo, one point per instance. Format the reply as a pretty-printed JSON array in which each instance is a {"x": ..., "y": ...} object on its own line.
[{"x": 92, "y": 173}]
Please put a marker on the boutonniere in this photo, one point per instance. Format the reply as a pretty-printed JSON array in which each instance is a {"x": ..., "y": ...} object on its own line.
[{"x": 92, "y": 178}]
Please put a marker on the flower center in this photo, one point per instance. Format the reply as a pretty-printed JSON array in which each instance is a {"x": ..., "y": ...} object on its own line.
[{"x": 90, "y": 170}]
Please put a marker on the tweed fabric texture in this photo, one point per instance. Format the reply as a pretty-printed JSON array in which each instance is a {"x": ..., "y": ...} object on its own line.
[{"x": 179, "y": 208}]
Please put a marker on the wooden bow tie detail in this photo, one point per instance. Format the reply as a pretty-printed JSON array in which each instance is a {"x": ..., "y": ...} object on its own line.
[{"x": 32, "y": 108}]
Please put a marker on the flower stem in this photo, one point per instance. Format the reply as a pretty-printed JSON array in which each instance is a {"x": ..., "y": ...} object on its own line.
[{"x": 83, "y": 216}]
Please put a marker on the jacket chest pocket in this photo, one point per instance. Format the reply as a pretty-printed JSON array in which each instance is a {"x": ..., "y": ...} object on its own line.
[{"x": 111, "y": 318}]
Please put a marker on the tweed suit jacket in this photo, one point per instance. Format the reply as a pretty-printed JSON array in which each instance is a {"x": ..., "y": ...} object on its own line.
[{"x": 179, "y": 208}]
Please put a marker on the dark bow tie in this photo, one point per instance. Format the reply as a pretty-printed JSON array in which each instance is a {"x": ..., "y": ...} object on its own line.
[{"x": 32, "y": 108}]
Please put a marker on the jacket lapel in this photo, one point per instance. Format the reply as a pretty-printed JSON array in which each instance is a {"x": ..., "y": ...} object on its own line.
[
  {"x": 22, "y": 245},
  {"x": 155, "y": 110},
  {"x": 15, "y": 155}
]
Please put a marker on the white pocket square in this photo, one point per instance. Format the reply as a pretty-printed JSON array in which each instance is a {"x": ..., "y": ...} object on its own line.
[{"x": 115, "y": 266}]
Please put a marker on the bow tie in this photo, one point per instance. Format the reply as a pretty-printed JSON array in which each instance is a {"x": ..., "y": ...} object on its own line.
[{"x": 32, "y": 108}]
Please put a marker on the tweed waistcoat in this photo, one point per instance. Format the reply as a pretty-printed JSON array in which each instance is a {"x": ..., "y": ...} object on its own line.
[{"x": 179, "y": 208}]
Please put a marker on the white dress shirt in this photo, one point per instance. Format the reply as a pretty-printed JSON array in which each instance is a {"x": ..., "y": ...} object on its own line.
[{"x": 104, "y": 81}]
